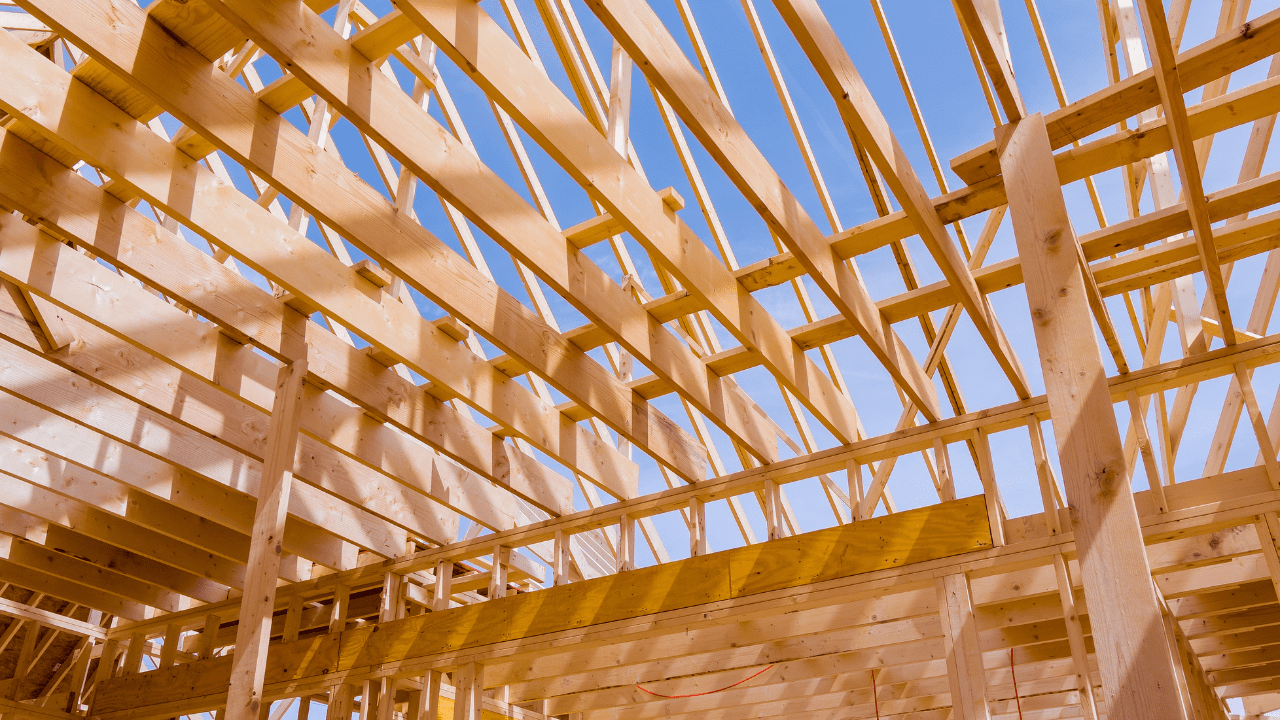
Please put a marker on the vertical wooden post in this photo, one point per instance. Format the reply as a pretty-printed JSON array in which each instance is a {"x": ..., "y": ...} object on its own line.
[
  {"x": 1075, "y": 637},
  {"x": 498, "y": 572},
  {"x": 391, "y": 606},
  {"x": 1139, "y": 680},
  {"x": 209, "y": 638},
  {"x": 1139, "y": 421},
  {"x": 1044, "y": 474},
  {"x": 169, "y": 651},
  {"x": 854, "y": 470},
  {"x": 697, "y": 527},
  {"x": 385, "y": 707},
  {"x": 444, "y": 582},
  {"x": 964, "y": 656},
  {"x": 772, "y": 509},
  {"x": 249, "y": 663},
  {"x": 468, "y": 690},
  {"x": 133, "y": 656},
  {"x": 946, "y": 481},
  {"x": 107, "y": 661},
  {"x": 338, "y": 610},
  {"x": 431, "y": 688},
  {"x": 293, "y": 618},
  {"x": 991, "y": 491},
  {"x": 626, "y": 557},
  {"x": 561, "y": 549},
  {"x": 340, "y": 697}
]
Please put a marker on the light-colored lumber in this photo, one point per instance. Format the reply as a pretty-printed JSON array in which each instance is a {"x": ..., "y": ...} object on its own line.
[
  {"x": 1136, "y": 666},
  {"x": 249, "y": 669}
]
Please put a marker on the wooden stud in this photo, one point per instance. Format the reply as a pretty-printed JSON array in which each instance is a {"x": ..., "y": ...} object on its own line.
[
  {"x": 947, "y": 482},
  {"x": 468, "y": 689},
  {"x": 442, "y": 592},
  {"x": 964, "y": 655},
  {"x": 341, "y": 699},
  {"x": 209, "y": 636},
  {"x": 626, "y": 551},
  {"x": 854, "y": 470},
  {"x": 391, "y": 601},
  {"x": 339, "y": 607},
  {"x": 169, "y": 651},
  {"x": 1138, "y": 421},
  {"x": 1044, "y": 474},
  {"x": 293, "y": 618},
  {"x": 697, "y": 527},
  {"x": 250, "y": 660},
  {"x": 991, "y": 491},
  {"x": 1075, "y": 637},
  {"x": 501, "y": 558},
  {"x": 133, "y": 656}
]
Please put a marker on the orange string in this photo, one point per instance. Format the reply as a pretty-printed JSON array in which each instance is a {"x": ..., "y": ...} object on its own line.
[
  {"x": 874, "y": 695},
  {"x": 709, "y": 692},
  {"x": 1015, "y": 684}
]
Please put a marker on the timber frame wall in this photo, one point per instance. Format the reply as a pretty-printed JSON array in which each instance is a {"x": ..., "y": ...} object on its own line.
[{"x": 242, "y": 476}]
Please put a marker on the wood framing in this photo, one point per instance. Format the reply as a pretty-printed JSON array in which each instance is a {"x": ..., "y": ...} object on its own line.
[{"x": 379, "y": 359}]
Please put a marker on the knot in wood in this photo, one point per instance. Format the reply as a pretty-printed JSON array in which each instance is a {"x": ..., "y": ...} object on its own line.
[
  {"x": 1052, "y": 240},
  {"x": 1104, "y": 478}
]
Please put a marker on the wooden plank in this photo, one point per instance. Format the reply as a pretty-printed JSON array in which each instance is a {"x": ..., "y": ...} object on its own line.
[
  {"x": 1136, "y": 666},
  {"x": 986, "y": 28},
  {"x": 964, "y": 658},
  {"x": 61, "y": 273},
  {"x": 51, "y": 619},
  {"x": 249, "y": 664}
]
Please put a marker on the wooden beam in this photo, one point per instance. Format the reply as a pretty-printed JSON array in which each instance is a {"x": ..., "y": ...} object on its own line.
[
  {"x": 1137, "y": 670},
  {"x": 51, "y": 619},
  {"x": 645, "y": 39},
  {"x": 1169, "y": 81},
  {"x": 250, "y": 663},
  {"x": 985, "y": 24}
]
